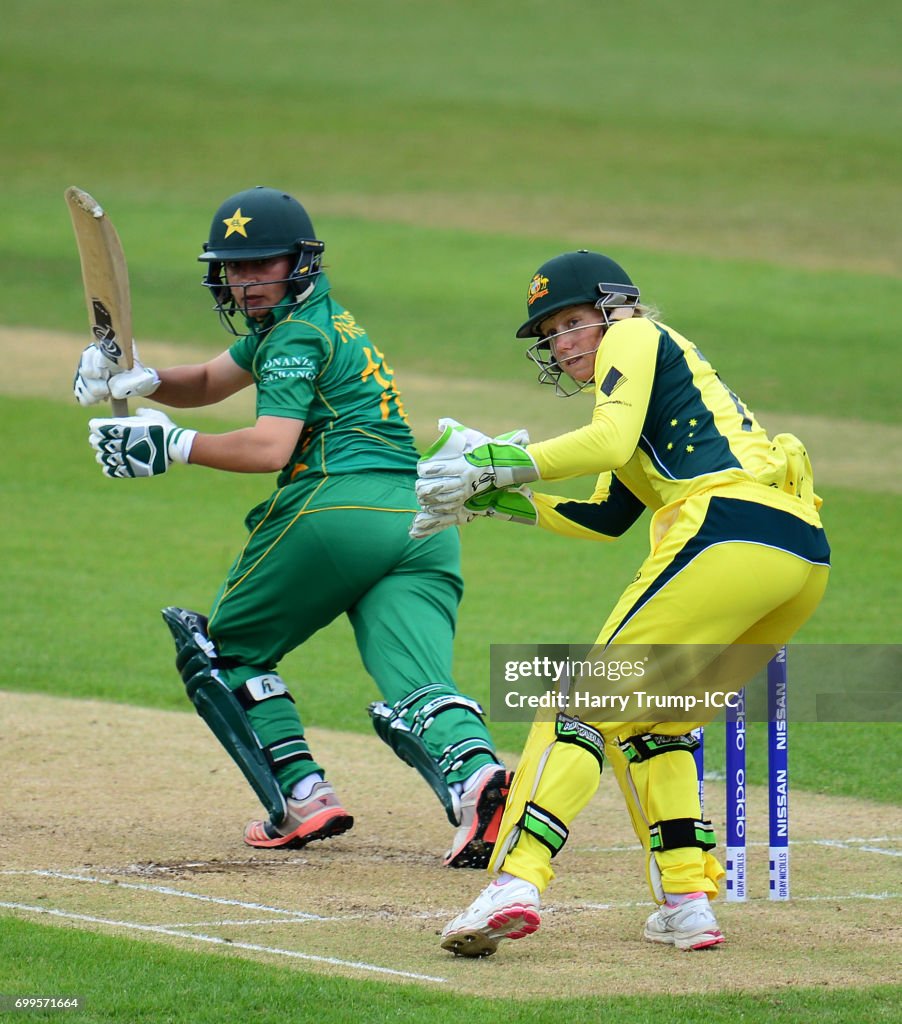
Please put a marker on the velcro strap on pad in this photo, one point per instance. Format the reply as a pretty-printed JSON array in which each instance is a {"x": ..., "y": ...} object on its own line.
[
  {"x": 651, "y": 744},
  {"x": 549, "y": 830},
  {"x": 287, "y": 751},
  {"x": 259, "y": 688},
  {"x": 457, "y": 754},
  {"x": 417, "y": 711},
  {"x": 424, "y": 717},
  {"x": 574, "y": 730},
  {"x": 401, "y": 707},
  {"x": 676, "y": 833}
]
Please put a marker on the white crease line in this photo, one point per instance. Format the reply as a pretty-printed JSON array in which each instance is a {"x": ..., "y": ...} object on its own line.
[
  {"x": 855, "y": 846},
  {"x": 200, "y": 937},
  {"x": 165, "y": 890},
  {"x": 627, "y": 904},
  {"x": 869, "y": 839},
  {"x": 850, "y": 896},
  {"x": 237, "y": 922}
]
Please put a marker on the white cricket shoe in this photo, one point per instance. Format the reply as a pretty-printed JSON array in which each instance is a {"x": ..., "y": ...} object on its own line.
[
  {"x": 687, "y": 925},
  {"x": 508, "y": 911},
  {"x": 481, "y": 807}
]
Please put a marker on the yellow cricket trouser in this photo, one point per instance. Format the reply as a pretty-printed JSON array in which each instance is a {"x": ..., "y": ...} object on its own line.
[{"x": 726, "y": 571}]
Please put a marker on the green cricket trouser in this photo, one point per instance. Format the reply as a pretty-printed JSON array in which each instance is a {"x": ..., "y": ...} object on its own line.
[{"x": 340, "y": 545}]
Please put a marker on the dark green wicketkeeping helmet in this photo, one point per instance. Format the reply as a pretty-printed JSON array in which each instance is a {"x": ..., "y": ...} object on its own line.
[
  {"x": 572, "y": 279},
  {"x": 258, "y": 224}
]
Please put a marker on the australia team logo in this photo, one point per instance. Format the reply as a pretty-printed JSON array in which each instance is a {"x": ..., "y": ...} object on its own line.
[{"x": 538, "y": 287}]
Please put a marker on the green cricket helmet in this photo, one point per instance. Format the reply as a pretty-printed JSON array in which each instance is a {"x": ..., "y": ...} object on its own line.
[
  {"x": 259, "y": 224},
  {"x": 573, "y": 279}
]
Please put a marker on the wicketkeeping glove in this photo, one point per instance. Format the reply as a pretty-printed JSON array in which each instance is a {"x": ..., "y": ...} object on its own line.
[
  {"x": 143, "y": 445},
  {"x": 452, "y": 471},
  {"x": 514, "y": 504},
  {"x": 98, "y": 378}
]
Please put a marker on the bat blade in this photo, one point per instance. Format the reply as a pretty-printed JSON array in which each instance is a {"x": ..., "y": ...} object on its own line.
[{"x": 104, "y": 274}]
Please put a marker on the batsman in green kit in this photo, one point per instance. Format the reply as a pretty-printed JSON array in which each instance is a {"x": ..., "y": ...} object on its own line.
[{"x": 332, "y": 539}]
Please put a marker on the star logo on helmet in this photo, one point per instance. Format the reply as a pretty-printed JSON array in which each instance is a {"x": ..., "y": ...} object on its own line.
[{"x": 235, "y": 224}]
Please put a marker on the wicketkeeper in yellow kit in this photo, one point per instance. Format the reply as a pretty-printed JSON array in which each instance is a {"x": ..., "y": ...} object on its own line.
[{"x": 738, "y": 556}]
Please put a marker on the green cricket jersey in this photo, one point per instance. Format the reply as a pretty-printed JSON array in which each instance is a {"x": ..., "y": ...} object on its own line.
[{"x": 312, "y": 361}]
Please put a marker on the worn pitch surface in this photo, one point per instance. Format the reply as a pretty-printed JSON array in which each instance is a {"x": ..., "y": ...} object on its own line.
[{"x": 128, "y": 821}]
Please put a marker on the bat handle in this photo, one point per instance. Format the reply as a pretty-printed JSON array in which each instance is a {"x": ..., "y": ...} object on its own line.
[{"x": 120, "y": 406}]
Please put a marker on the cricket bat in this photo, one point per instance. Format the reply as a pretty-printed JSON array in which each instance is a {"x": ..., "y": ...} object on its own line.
[{"x": 105, "y": 276}]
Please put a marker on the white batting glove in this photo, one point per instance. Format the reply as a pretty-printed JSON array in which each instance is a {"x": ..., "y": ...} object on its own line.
[
  {"x": 138, "y": 382},
  {"x": 91, "y": 383},
  {"x": 143, "y": 445},
  {"x": 454, "y": 470},
  {"x": 97, "y": 379}
]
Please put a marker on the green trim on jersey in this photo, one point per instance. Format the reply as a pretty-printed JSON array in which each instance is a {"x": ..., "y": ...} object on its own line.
[{"x": 312, "y": 361}]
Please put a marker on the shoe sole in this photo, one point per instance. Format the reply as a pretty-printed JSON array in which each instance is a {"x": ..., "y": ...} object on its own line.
[
  {"x": 514, "y": 922},
  {"x": 328, "y": 827},
  {"x": 704, "y": 941},
  {"x": 477, "y": 851}
]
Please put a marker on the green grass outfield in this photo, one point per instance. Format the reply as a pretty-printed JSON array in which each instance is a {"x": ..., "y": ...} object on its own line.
[
  {"x": 55, "y": 555},
  {"x": 175, "y": 985},
  {"x": 743, "y": 165}
]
